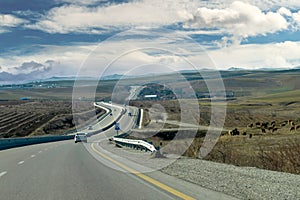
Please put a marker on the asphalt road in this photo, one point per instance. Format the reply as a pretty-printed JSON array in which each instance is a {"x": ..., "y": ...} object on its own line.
[
  {"x": 126, "y": 122},
  {"x": 65, "y": 170}
]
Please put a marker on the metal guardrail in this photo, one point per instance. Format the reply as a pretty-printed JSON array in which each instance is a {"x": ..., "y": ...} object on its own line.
[
  {"x": 6, "y": 143},
  {"x": 135, "y": 143}
]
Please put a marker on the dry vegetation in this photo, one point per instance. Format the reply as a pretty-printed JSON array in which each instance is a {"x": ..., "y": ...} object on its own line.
[
  {"x": 24, "y": 118},
  {"x": 272, "y": 152},
  {"x": 278, "y": 153},
  {"x": 49, "y": 110},
  {"x": 268, "y": 132}
]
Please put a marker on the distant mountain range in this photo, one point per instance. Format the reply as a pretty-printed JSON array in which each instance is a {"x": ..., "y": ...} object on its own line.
[{"x": 8, "y": 78}]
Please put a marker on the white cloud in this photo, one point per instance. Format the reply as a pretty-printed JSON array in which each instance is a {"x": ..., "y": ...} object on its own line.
[
  {"x": 10, "y": 20},
  {"x": 296, "y": 17},
  {"x": 266, "y": 5},
  {"x": 63, "y": 60},
  {"x": 250, "y": 56},
  {"x": 271, "y": 4},
  {"x": 237, "y": 19},
  {"x": 27, "y": 13},
  {"x": 240, "y": 20},
  {"x": 30, "y": 67},
  {"x": 3, "y": 30},
  {"x": 68, "y": 59},
  {"x": 26, "y": 72},
  {"x": 253, "y": 56},
  {"x": 7, "y": 21},
  {"x": 284, "y": 11},
  {"x": 75, "y": 18},
  {"x": 137, "y": 47}
]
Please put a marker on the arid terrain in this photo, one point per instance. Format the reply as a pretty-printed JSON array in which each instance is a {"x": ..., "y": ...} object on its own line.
[
  {"x": 261, "y": 127},
  {"x": 41, "y": 117},
  {"x": 27, "y": 110},
  {"x": 262, "y": 123}
]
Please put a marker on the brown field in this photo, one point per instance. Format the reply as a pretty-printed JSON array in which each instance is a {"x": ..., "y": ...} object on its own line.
[
  {"x": 272, "y": 144},
  {"x": 40, "y": 117},
  {"x": 49, "y": 110}
]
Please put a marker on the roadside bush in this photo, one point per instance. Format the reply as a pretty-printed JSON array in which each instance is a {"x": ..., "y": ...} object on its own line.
[{"x": 284, "y": 158}]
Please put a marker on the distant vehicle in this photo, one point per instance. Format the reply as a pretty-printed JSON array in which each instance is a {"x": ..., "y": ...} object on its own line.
[
  {"x": 90, "y": 128},
  {"x": 129, "y": 114},
  {"x": 80, "y": 137}
]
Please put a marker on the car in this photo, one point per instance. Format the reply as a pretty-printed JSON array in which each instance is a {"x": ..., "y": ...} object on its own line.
[{"x": 80, "y": 137}]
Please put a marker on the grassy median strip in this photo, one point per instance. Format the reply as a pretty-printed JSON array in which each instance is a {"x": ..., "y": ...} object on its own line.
[{"x": 144, "y": 177}]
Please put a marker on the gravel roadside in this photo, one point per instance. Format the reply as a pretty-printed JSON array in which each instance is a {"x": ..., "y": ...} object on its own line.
[{"x": 241, "y": 182}]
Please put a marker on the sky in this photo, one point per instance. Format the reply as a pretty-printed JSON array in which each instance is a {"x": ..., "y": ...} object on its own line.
[{"x": 45, "y": 38}]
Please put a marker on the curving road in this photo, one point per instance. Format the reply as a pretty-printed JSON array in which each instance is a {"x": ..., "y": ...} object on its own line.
[{"x": 65, "y": 170}]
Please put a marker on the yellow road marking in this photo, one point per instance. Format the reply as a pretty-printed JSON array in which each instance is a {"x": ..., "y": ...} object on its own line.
[{"x": 144, "y": 177}]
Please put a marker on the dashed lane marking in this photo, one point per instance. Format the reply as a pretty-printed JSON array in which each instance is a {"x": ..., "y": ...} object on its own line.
[
  {"x": 21, "y": 162},
  {"x": 3, "y": 173}
]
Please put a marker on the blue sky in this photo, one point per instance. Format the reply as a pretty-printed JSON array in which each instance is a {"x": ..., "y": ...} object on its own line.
[{"x": 43, "y": 38}]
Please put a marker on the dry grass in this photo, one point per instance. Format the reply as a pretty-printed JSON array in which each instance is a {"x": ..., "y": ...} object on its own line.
[
  {"x": 278, "y": 153},
  {"x": 274, "y": 150},
  {"x": 285, "y": 157},
  {"x": 24, "y": 118}
]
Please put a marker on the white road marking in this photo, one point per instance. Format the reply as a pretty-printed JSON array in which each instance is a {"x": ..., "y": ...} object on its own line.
[
  {"x": 3, "y": 173},
  {"x": 21, "y": 162},
  {"x": 32, "y": 156}
]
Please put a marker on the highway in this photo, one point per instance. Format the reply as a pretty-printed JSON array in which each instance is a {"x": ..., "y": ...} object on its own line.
[{"x": 65, "y": 170}]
